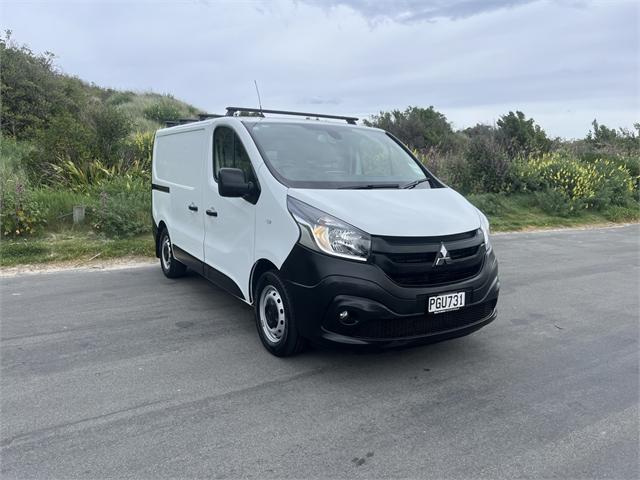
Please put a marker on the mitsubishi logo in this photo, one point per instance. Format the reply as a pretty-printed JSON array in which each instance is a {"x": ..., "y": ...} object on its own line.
[{"x": 442, "y": 256}]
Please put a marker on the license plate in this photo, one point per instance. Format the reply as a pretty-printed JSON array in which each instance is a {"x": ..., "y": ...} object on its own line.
[{"x": 445, "y": 302}]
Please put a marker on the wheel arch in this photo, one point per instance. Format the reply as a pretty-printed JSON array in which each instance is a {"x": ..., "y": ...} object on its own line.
[
  {"x": 261, "y": 266},
  {"x": 161, "y": 228}
]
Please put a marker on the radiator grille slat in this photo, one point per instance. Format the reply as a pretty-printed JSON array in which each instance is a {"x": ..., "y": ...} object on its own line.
[{"x": 410, "y": 261}]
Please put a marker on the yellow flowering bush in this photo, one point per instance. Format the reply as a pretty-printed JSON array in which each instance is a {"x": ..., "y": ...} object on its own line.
[{"x": 574, "y": 183}]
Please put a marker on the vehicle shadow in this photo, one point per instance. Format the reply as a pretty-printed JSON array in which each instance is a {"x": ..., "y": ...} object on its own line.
[{"x": 221, "y": 312}]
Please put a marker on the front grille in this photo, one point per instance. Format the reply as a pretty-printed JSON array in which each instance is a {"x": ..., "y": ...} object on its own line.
[
  {"x": 409, "y": 261},
  {"x": 436, "y": 277},
  {"x": 423, "y": 324}
]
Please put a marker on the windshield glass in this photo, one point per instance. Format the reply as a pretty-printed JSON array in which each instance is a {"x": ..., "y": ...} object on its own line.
[{"x": 334, "y": 156}]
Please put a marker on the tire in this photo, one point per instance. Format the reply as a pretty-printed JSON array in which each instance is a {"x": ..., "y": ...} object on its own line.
[
  {"x": 171, "y": 267},
  {"x": 275, "y": 317}
]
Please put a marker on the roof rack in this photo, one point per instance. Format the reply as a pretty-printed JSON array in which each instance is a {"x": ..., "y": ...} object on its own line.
[
  {"x": 233, "y": 110},
  {"x": 182, "y": 121},
  {"x": 204, "y": 116}
]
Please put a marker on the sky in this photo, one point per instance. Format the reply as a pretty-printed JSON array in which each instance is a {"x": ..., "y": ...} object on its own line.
[{"x": 562, "y": 62}]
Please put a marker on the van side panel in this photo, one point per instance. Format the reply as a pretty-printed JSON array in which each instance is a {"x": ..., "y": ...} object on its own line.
[
  {"x": 178, "y": 167},
  {"x": 276, "y": 230}
]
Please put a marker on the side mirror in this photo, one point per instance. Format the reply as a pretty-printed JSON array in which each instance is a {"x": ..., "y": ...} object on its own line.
[{"x": 232, "y": 183}]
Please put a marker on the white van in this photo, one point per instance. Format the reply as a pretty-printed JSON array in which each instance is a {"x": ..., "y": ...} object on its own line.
[{"x": 334, "y": 232}]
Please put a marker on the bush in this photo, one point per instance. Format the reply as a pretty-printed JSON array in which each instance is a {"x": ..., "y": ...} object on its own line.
[
  {"x": 616, "y": 185},
  {"x": 488, "y": 166},
  {"x": 12, "y": 153},
  {"x": 20, "y": 214},
  {"x": 162, "y": 111},
  {"x": 119, "y": 98},
  {"x": 521, "y": 136},
  {"x": 447, "y": 166},
  {"x": 121, "y": 208},
  {"x": 488, "y": 203},
  {"x": 419, "y": 128},
  {"x": 112, "y": 128},
  {"x": 581, "y": 185},
  {"x": 139, "y": 149},
  {"x": 554, "y": 202},
  {"x": 66, "y": 139},
  {"x": 617, "y": 213}
]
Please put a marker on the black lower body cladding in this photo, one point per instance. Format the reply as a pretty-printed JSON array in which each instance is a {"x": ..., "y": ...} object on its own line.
[{"x": 379, "y": 311}]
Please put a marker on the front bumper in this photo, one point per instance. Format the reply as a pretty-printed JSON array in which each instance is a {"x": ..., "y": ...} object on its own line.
[{"x": 381, "y": 312}]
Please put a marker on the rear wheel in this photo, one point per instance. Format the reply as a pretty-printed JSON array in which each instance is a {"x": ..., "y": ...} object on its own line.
[
  {"x": 171, "y": 267},
  {"x": 275, "y": 318}
]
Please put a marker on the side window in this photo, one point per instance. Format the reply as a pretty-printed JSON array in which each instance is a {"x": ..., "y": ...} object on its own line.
[{"x": 228, "y": 152}]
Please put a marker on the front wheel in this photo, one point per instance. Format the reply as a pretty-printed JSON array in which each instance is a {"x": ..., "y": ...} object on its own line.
[
  {"x": 171, "y": 267},
  {"x": 275, "y": 318}
]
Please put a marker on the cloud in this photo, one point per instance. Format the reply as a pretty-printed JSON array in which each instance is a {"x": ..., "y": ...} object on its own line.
[
  {"x": 321, "y": 101},
  {"x": 419, "y": 10}
]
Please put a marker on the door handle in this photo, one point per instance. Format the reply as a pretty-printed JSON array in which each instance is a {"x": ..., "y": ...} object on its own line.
[
  {"x": 193, "y": 208},
  {"x": 211, "y": 212}
]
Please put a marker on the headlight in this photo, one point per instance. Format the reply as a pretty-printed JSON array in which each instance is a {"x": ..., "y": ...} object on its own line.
[
  {"x": 320, "y": 231},
  {"x": 484, "y": 226}
]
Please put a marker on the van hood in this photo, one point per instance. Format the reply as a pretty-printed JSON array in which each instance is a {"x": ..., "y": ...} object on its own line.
[{"x": 399, "y": 213}]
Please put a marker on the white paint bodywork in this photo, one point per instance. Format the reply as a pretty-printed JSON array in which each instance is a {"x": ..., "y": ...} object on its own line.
[
  {"x": 243, "y": 233},
  {"x": 398, "y": 213},
  {"x": 178, "y": 164}
]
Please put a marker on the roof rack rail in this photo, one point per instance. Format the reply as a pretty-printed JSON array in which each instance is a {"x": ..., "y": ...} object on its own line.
[
  {"x": 233, "y": 110},
  {"x": 182, "y": 121},
  {"x": 204, "y": 116}
]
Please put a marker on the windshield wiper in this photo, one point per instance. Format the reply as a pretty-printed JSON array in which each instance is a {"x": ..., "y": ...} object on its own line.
[
  {"x": 370, "y": 186},
  {"x": 414, "y": 183}
]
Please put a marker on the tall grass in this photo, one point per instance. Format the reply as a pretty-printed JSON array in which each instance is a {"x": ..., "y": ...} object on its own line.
[{"x": 138, "y": 107}]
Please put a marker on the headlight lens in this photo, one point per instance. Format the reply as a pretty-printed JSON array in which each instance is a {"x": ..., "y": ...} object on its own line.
[
  {"x": 323, "y": 232},
  {"x": 484, "y": 226}
]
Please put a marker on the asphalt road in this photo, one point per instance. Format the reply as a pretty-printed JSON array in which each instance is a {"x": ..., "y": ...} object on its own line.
[{"x": 126, "y": 374}]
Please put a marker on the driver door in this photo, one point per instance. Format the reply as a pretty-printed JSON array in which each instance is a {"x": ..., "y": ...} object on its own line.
[{"x": 229, "y": 222}]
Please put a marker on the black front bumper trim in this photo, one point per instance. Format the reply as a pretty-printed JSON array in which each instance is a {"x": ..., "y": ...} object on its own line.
[{"x": 322, "y": 286}]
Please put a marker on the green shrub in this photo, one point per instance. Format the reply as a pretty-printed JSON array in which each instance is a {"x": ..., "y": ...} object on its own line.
[
  {"x": 419, "y": 128},
  {"x": 112, "y": 126},
  {"x": 554, "y": 202},
  {"x": 489, "y": 203},
  {"x": 488, "y": 166},
  {"x": 162, "y": 110},
  {"x": 630, "y": 163},
  {"x": 122, "y": 208},
  {"x": 12, "y": 153},
  {"x": 20, "y": 214},
  {"x": 119, "y": 98},
  {"x": 447, "y": 166},
  {"x": 521, "y": 136},
  {"x": 618, "y": 213},
  {"x": 138, "y": 151},
  {"x": 582, "y": 184}
]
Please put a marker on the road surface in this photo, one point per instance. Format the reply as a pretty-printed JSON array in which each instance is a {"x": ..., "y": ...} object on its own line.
[{"x": 126, "y": 374}]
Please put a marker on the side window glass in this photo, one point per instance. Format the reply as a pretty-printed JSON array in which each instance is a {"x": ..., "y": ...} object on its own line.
[{"x": 228, "y": 152}]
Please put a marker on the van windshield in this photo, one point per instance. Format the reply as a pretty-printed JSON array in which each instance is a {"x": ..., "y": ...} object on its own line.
[{"x": 327, "y": 156}]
